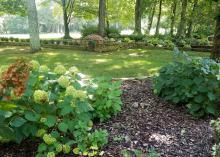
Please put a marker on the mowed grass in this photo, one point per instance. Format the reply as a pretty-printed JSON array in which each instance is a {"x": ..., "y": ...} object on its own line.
[{"x": 119, "y": 64}]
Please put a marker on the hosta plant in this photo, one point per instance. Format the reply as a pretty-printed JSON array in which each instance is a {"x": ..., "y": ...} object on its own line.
[
  {"x": 194, "y": 83},
  {"x": 53, "y": 106}
]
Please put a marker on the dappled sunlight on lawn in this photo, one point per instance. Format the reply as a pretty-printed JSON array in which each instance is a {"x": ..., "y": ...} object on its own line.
[{"x": 123, "y": 63}]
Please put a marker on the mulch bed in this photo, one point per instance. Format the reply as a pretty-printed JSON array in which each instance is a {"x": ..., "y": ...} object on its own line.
[{"x": 146, "y": 122}]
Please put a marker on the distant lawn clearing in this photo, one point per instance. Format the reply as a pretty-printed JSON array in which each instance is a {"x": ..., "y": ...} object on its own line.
[{"x": 120, "y": 64}]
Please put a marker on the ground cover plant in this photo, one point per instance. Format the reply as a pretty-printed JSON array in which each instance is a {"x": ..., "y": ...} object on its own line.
[
  {"x": 57, "y": 107},
  {"x": 193, "y": 83}
]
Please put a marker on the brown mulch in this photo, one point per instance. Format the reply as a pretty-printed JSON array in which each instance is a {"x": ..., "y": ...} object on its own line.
[{"x": 146, "y": 122}]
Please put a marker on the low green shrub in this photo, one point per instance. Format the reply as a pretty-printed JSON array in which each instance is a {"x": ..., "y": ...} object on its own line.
[
  {"x": 56, "y": 106},
  {"x": 194, "y": 83},
  {"x": 107, "y": 98},
  {"x": 134, "y": 37},
  {"x": 16, "y": 39},
  {"x": 113, "y": 32},
  {"x": 11, "y": 39},
  {"x": 88, "y": 30}
]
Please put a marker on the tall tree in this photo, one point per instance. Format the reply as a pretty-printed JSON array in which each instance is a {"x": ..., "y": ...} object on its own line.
[
  {"x": 173, "y": 16},
  {"x": 159, "y": 18},
  {"x": 216, "y": 49},
  {"x": 68, "y": 8},
  {"x": 102, "y": 14},
  {"x": 138, "y": 16},
  {"x": 191, "y": 19},
  {"x": 151, "y": 16},
  {"x": 33, "y": 26},
  {"x": 181, "y": 28}
]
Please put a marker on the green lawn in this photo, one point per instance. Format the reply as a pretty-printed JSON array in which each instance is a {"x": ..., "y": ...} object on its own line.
[{"x": 123, "y": 63}]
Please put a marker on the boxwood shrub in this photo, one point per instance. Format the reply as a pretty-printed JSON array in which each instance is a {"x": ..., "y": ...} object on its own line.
[{"x": 194, "y": 83}]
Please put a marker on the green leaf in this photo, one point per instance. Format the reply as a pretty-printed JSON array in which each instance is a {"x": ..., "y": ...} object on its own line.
[
  {"x": 18, "y": 122},
  {"x": 5, "y": 114},
  {"x": 63, "y": 127},
  {"x": 83, "y": 107},
  {"x": 7, "y": 132},
  {"x": 51, "y": 121},
  {"x": 42, "y": 147},
  {"x": 212, "y": 110},
  {"x": 29, "y": 129},
  {"x": 211, "y": 96},
  {"x": 199, "y": 99},
  {"x": 33, "y": 117}
]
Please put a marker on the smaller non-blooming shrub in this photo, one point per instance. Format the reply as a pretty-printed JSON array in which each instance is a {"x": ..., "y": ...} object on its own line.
[
  {"x": 194, "y": 83},
  {"x": 168, "y": 43},
  {"x": 16, "y": 39},
  {"x": 23, "y": 40},
  {"x": 6, "y": 39},
  {"x": 113, "y": 32},
  {"x": 88, "y": 30},
  {"x": 11, "y": 39},
  {"x": 45, "y": 42},
  {"x": 106, "y": 98},
  {"x": 135, "y": 37},
  {"x": 154, "y": 41}
]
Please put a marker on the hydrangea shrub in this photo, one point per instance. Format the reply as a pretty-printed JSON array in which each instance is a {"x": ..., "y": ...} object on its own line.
[{"x": 58, "y": 107}]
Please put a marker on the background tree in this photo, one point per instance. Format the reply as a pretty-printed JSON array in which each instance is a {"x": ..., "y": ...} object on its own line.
[
  {"x": 33, "y": 26},
  {"x": 191, "y": 19},
  {"x": 173, "y": 17},
  {"x": 159, "y": 17},
  {"x": 151, "y": 15},
  {"x": 216, "y": 49},
  {"x": 68, "y": 6},
  {"x": 102, "y": 14},
  {"x": 181, "y": 28},
  {"x": 138, "y": 16}
]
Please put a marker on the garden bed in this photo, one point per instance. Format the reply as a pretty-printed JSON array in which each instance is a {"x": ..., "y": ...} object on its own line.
[
  {"x": 146, "y": 122},
  {"x": 106, "y": 46}
]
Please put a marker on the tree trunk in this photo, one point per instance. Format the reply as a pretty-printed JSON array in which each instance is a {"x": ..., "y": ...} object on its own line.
[
  {"x": 151, "y": 17},
  {"x": 158, "y": 19},
  {"x": 102, "y": 14},
  {"x": 65, "y": 21},
  {"x": 191, "y": 19},
  {"x": 173, "y": 17},
  {"x": 181, "y": 29},
  {"x": 138, "y": 12},
  {"x": 216, "y": 48},
  {"x": 33, "y": 26}
]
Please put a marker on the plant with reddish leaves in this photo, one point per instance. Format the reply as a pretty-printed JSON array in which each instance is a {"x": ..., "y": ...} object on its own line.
[{"x": 13, "y": 80}]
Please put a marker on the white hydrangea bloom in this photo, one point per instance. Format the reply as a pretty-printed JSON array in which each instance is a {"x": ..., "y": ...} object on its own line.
[
  {"x": 64, "y": 81},
  {"x": 73, "y": 70},
  {"x": 60, "y": 69},
  {"x": 70, "y": 90},
  {"x": 43, "y": 68},
  {"x": 35, "y": 65},
  {"x": 41, "y": 96}
]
